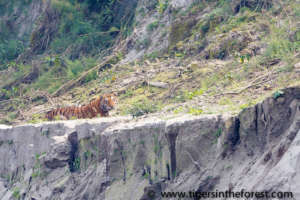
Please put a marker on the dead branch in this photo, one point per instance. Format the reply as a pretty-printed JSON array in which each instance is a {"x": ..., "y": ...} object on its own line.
[
  {"x": 156, "y": 84},
  {"x": 252, "y": 84},
  {"x": 245, "y": 88},
  {"x": 72, "y": 83},
  {"x": 9, "y": 100}
]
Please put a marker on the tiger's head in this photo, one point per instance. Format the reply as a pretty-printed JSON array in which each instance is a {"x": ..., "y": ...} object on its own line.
[{"x": 107, "y": 102}]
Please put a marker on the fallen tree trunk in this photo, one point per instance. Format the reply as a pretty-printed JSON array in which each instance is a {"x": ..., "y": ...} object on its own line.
[
  {"x": 72, "y": 83},
  {"x": 157, "y": 84}
]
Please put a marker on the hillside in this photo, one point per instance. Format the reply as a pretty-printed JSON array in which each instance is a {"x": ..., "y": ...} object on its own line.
[
  {"x": 208, "y": 99},
  {"x": 168, "y": 57}
]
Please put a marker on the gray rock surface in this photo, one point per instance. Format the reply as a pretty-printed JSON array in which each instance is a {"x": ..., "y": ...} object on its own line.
[{"x": 121, "y": 158}]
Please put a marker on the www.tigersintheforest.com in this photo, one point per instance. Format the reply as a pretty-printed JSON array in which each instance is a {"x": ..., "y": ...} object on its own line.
[{"x": 226, "y": 194}]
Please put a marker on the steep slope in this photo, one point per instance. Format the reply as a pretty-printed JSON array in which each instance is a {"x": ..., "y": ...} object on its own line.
[
  {"x": 116, "y": 158},
  {"x": 173, "y": 56}
]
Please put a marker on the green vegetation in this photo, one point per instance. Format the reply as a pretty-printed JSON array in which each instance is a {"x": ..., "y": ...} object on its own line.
[
  {"x": 77, "y": 163},
  {"x": 88, "y": 34},
  {"x": 191, "y": 95},
  {"x": 7, "y": 94},
  {"x": 36, "y": 118},
  {"x": 152, "y": 26},
  {"x": 213, "y": 57},
  {"x": 279, "y": 45},
  {"x": 37, "y": 167},
  {"x": 236, "y": 21},
  {"x": 156, "y": 147},
  {"x": 186, "y": 95},
  {"x": 10, "y": 46},
  {"x": 195, "y": 111},
  {"x": 278, "y": 94},
  {"x": 80, "y": 30},
  {"x": 162, "y": 5},
  {"x": 45, "y": 133},
  {"x": 9, "y": 50},
  {"x": 63, "y": 70},
  {"x": 218, "y": 133},
  {"x": 143, "y": 44},
  {"x": 16, "y": 193},
  {"x": 142, "y": 107}
]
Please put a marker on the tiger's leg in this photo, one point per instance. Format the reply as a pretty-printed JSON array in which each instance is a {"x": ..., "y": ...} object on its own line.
[
  {"x": 81, "y": 112},
  {"x": 84, "y": 111},
  {"x": 63, "y": 113},
  {"x": 57, "y": 112},
  {"x": 67, "y": 113},
  {"x": 91, "y": 112},
  {"x": 75, "y": 114},
  {"x": 78, "y": 113},
  {"x": 72, "y": 112}
]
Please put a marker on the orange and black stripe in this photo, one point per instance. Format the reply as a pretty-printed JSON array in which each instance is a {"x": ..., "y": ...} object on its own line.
[{"x": 101, "y": 105}]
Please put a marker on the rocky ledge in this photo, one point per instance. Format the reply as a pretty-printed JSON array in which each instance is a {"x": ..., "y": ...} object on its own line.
[{"x": 118, "y": 158}]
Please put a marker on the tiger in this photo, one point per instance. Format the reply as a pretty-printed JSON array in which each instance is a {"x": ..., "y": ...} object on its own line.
[{"x": 101, "y": 105}]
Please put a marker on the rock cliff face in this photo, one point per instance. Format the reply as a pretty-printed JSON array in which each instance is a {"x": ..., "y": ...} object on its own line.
[{"x": 118, "y": 158}]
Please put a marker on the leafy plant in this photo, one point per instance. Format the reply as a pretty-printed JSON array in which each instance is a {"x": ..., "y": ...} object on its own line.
[
  {"x": 36, "y": 118},
  {"x": 195, "y": 111},
  {"x": 218, "y": 133},
  {"x": 278, "y": 94},
  {"x": 91, "y": 76},
  {"x": 90, "y": 26},
  {"x": 16, "y": 193},
  {"x": 279, "y": 45},
  {"x": 162, "y": 5},
  {"x": 178, "y": 110},
  {"x": 77, "y": 163},
  {"x": 142, "y": 108},
  {"x": 191, "y": 95}
]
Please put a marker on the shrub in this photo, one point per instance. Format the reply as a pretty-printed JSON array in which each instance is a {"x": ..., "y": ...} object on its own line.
[
  {"x": 191, "y": 95},
  {"x": 16, "y": 193},
  {"x": 74, "y": 68},
  {"x": 10, "y": 49},
  {"x": 195, "y": 111},
  {"x": 87, "y": 27},
  {"x": 143, "y": 44},
  {"x": 162, "y": 5},
  {"x": 195, "y": 7},
  {"x": 152, "y": 55},
  {"x": 278, "y": 94},
  {"x": 279, "y": 46},
  {"x": 91, "y": 76},
  {"x": 141, "y": 108},
  {"x": 62, "y": 6},
  {"x": 152, "y": 26},
  {"x": 236, "y": 21}
]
